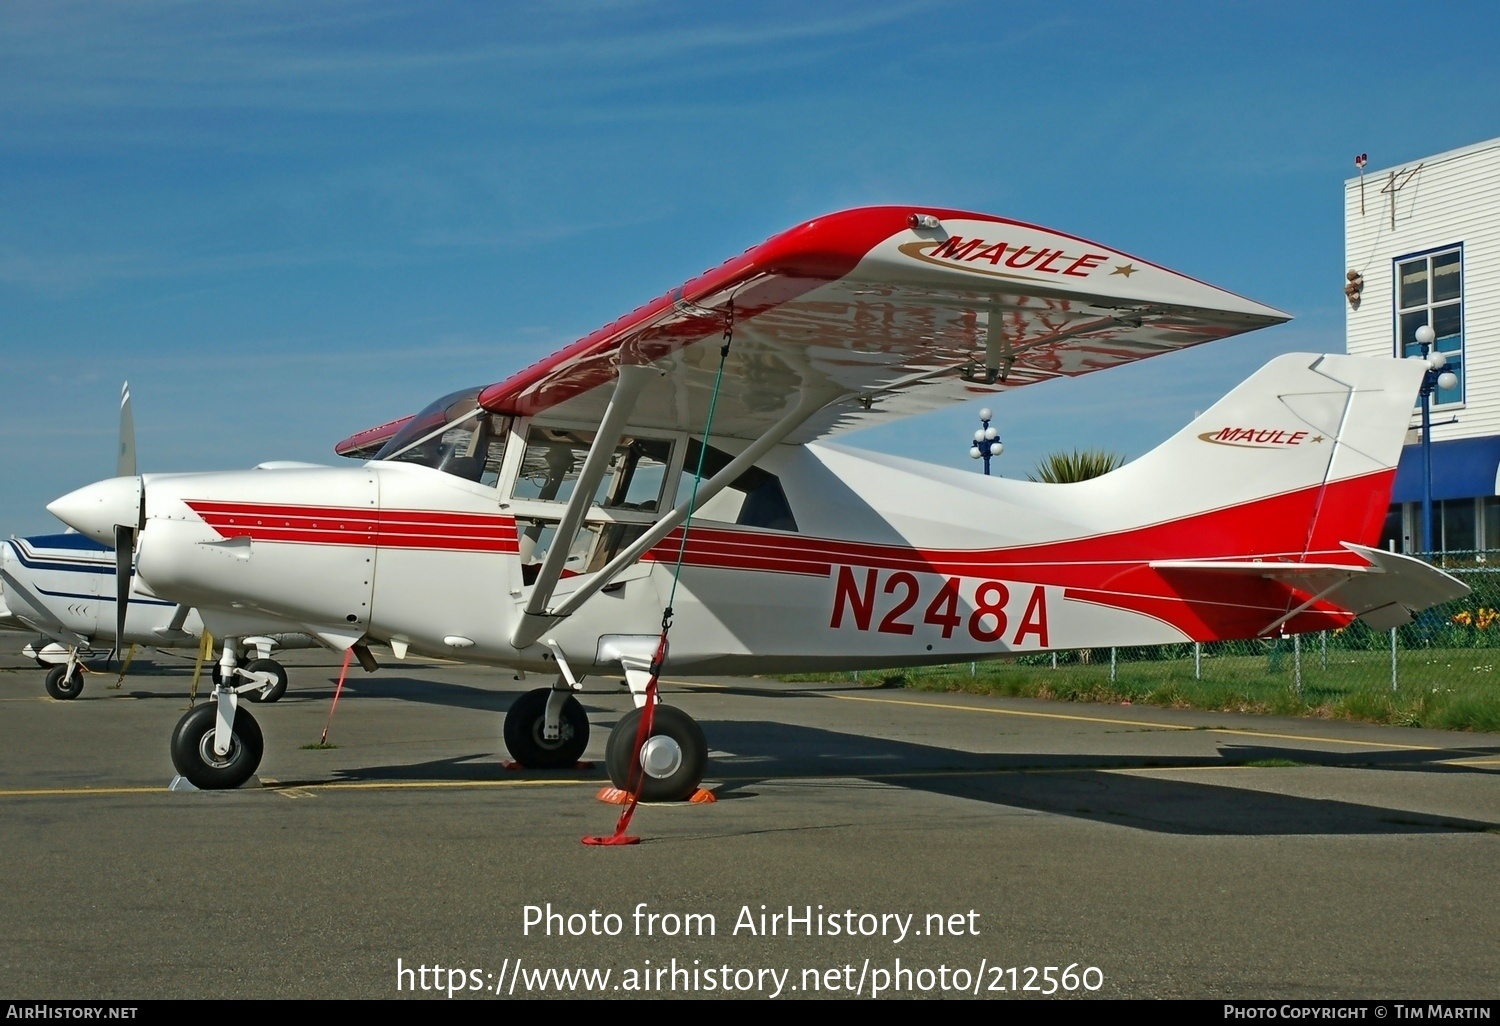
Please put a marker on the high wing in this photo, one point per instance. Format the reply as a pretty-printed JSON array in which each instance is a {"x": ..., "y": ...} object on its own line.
[
  {"x": 894, "y": 310},
  {"x": 897, "y": 310}
]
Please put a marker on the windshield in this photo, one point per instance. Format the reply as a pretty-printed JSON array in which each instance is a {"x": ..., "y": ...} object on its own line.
[{"x": 453, "y": 435}]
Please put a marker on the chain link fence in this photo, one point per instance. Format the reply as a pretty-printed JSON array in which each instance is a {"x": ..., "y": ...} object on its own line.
[
  {"x": 1447, "y": 654},
  {"x": 1459, "y": 638}
]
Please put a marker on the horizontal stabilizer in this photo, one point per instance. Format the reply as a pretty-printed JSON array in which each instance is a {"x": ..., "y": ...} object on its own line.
[{"x": 1388, "y": 591}]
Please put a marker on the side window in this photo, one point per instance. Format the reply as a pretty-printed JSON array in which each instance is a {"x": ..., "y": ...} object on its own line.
[
  {"x": 754, "y": 499},
  {"x": 554, "y": 458},
  {"x": 1429, "y": 291},
  {"x": 629, "y": 496}
]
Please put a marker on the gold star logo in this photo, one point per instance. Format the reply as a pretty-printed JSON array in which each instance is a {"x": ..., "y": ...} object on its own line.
[
  {"x": 1126, "y": 269},
  {"x": 1316, "y": 438}
]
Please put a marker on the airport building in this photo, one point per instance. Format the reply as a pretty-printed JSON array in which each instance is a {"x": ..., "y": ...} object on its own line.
[{"x": 1422, "y": 248}]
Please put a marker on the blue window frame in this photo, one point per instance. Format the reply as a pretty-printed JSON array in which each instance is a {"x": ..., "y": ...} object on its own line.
[{"x": 1430, "y": 290}]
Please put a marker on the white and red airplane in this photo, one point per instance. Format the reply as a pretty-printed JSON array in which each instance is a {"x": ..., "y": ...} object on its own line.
[{"x": 676, "y": 467}]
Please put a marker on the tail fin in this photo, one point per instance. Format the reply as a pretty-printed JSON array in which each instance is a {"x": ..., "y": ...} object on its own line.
[
  {"x": 1297, "y": 460},
  {"x": 1266, "y": 508}
]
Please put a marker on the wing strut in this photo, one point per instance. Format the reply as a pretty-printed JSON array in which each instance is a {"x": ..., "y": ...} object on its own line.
[
  {"x": 534, "y": 619},
  {"x": 810, "y": 403}
]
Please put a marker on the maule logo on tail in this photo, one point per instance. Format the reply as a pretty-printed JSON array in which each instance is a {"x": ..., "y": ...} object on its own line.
[{"x": 1259, "y": 438}]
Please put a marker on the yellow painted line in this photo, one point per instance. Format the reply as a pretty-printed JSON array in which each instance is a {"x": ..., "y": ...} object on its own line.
[
  {"x": 292, "y": 790},
  {"x": 416, "y": 785},
  {"x": 30, "y": 792}
]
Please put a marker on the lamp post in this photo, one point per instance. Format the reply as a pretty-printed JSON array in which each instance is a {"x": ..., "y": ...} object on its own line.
[
  {"x": 1434, "y": 379},
  {"x": 987, "y": 442}
]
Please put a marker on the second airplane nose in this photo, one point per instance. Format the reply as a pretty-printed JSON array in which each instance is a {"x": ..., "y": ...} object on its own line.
[{"x": 96, "y": 509}]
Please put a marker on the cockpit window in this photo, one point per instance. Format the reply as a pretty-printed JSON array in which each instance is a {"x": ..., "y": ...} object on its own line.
[
  {"x": 454, "y": 435},
  {"x": 554, "y": 459}
]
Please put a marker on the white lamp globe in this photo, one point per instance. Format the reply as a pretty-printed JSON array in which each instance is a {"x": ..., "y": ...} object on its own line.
[{"x": 974, "y": 452}]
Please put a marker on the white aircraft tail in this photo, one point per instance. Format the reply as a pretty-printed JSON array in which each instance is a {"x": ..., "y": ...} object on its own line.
[
  {"x": 1295, "y": 461},
  {"x": 1277, "y": 496}
]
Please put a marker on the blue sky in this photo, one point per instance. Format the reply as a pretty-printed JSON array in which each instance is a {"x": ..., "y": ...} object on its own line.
[{"x": 285, "y": 222}]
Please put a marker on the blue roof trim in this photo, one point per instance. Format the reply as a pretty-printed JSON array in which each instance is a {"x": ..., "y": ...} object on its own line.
[{"x": 1461, "y": 469}]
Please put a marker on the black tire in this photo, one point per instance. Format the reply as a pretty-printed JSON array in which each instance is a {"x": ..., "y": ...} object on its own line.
[
  {"x": 523, "y": 732},
  {"x": 193, "y": 749},
  {"x": 683, "y": 781},
  {"x": 273, "y": 691},
  {"x": 61, "y": 685}
]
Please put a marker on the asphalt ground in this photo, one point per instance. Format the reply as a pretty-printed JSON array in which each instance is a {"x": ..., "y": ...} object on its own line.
[{"x": 1158, "y": 853}]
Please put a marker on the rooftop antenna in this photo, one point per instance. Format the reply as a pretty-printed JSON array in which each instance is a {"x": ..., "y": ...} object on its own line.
[
  {"x": 1394, "y": 183},
  {"x": 1360, "y": 162}
]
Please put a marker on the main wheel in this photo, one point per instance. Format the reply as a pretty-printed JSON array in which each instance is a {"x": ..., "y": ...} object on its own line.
[
  {"x": 62, "y": 685},
  {"x": 673, "y": 758},
  {"x": 271, "y": 692},
  {"x": 523, "y": 732},
  {"x": 193, "y": 749}
]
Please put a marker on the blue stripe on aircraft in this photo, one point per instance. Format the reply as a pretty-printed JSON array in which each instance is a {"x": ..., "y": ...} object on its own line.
[
  {"x": 72, "y": 568},
  {"x": 104, "y": 598}
]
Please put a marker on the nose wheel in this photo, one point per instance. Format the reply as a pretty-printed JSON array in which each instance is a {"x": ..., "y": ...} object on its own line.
[
  {"x": 65, "y": 681},
  {"x": 194, "y": 756},
  {"x": 672, "y": 761}
]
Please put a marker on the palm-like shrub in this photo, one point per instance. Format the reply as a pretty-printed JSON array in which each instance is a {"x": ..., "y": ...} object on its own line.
[{"x": 1078, "y": 465}]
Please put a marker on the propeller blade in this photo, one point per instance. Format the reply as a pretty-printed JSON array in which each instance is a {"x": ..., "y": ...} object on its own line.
[
  {"x": 124, "y": 559},
  {"x": 126, "y": 465}
]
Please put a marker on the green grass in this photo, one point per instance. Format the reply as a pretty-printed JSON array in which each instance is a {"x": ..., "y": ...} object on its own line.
[{"x": 1452, "y": 689}]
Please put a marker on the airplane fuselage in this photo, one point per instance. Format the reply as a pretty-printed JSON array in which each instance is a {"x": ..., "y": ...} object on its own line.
[{"x": 830, "y": 557}]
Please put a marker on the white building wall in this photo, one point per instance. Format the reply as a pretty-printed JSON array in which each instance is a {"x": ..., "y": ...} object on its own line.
[{"x": 1449, "y": 199}]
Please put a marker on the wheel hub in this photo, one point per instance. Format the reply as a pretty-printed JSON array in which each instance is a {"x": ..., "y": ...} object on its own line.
[
  {"x": 660, "y": 757},
  {"x": 212, "y": 758}
]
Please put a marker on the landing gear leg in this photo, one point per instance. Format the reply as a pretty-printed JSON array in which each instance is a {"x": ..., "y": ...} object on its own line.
[
  {"x": 219, "y": 745},
  {"x": 547, "y": 728}
]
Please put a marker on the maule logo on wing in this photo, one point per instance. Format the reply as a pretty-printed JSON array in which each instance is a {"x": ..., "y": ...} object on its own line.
[
  {"x": 1258, "y": 438},
  {"x": 1028, "y": 261}
]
